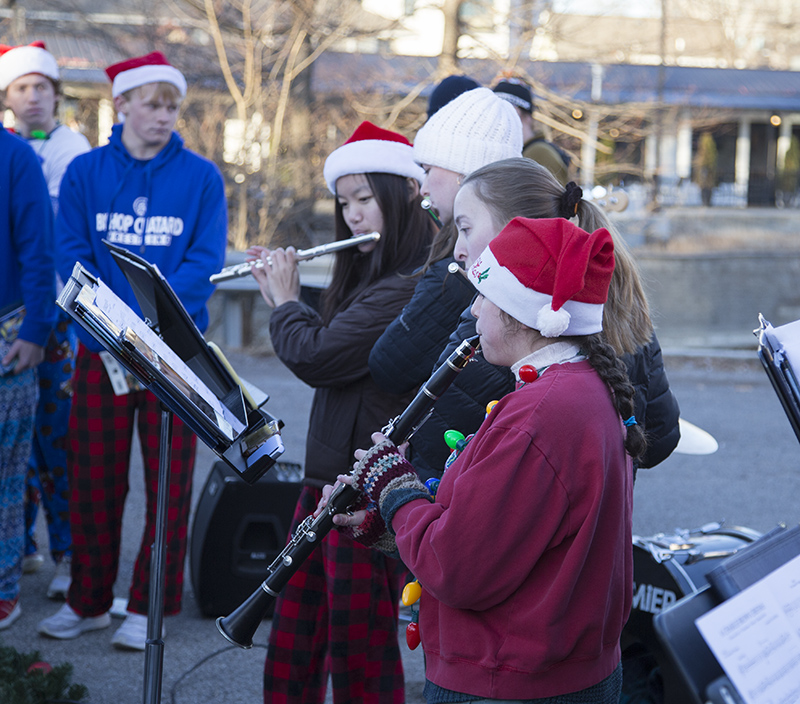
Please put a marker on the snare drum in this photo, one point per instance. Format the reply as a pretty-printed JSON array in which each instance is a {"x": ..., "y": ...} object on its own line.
[{"x": 667, "y": 567}]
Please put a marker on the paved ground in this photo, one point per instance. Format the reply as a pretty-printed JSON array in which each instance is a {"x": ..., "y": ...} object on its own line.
[{"x": 752, "y": 480}]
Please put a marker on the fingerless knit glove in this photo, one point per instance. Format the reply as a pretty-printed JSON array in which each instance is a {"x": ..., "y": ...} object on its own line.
[
  {"x": 387, "y": 479},
  {"x": 372, "y": 531}
]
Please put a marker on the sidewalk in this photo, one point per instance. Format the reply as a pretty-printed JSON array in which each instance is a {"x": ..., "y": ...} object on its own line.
[
  {"x": 752, "y": 481},
  {"x": 224, "y": 673}
]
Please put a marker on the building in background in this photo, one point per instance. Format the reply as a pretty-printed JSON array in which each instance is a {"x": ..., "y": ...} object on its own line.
[{"x": 628, "y": 88}]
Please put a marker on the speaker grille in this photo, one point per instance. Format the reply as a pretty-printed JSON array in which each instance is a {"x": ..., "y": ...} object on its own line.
[{"x": 237, "y": 531}]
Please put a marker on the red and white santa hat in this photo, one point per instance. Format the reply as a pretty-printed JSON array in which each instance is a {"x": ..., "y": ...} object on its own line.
[
  {"x": 152, "y": 68},
  {"x": 16, "y": 61},
  {"x": 548, "y": 274},
  {"x": 370, "y": 150}
]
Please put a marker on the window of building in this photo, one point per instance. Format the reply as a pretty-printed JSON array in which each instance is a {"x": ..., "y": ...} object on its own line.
[{"x": 477, "y": 11}]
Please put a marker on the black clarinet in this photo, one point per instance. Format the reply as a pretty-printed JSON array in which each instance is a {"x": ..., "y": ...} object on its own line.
[{"x": 240, "y": 626}]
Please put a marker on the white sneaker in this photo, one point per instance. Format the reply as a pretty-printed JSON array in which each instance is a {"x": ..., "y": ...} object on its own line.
[
  {"x": 119, "y": 609},
  {"x": 65, "y": 623},
  {"x": 10, "y": 611},
  {"x": 32, "y": 563},
  {"x": 132, "y": 634},
  {"x": 59, "y": 586}
]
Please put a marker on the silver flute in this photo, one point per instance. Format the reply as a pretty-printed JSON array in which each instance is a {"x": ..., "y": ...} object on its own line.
[
  {"x": 236, "y": 270},
  {"x": 454, "y": 268},
  {"x": 428, "y": 207}
]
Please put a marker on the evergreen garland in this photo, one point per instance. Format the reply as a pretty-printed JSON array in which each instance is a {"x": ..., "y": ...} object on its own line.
[{"x": 21, "y": 684}]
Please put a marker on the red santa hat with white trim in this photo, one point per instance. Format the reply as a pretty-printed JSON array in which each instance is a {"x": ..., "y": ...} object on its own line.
[
  {"x": 17, "y": 61},
  {"x": 151, "y": 68},
  {"x": 549, "y": 274},
  {"x": 372, "y": 149}
]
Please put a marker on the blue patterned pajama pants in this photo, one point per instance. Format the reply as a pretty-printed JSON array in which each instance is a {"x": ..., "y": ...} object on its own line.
[{"x": 18, "y": 396}]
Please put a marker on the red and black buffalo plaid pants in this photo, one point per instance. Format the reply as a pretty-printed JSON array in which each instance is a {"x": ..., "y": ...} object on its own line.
[
  {"x": 338, "y": 616},
  {"x": 99, "y": 446}
]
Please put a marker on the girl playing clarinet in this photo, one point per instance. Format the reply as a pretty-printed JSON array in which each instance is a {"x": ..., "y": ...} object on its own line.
[{"x": 524, "y": 553}]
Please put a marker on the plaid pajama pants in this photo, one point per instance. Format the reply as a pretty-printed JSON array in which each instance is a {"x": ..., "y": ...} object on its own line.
[
  {"x": 337, "y": 615},
  {"x": 18, "y": 394},
  {"x": 100, "y": 433}
]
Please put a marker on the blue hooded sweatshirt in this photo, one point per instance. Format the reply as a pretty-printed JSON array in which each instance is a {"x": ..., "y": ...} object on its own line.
[
  {"x": 170, "y": 210},
  {"x": 27, "y": 268}
]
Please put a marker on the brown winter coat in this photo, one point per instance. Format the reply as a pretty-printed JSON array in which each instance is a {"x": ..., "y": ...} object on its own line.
[{"x": 348, "y": 406}]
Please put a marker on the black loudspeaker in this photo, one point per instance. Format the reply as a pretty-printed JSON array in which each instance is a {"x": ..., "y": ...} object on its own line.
[{"x": 237, "y": 532}]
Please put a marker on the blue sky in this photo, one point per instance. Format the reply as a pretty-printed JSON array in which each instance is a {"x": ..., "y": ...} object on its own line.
[{"x": 627, "y": 8}]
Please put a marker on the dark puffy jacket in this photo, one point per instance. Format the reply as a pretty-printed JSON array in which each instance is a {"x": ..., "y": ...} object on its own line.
[
  {"x": 404, "y": 356},
  {"x": 463, "y": 406},
  {"x": 655, "y": 406},
  {"x": 348, "y": 406}
]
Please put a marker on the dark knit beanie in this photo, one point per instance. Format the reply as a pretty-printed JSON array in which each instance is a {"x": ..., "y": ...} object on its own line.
[
  {"x": 449, "y": 88},
  {"x": 515, "y": 92}
]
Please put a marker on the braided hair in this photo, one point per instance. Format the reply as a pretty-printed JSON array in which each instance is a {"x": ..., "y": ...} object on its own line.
[{"x": 611, "y": 369}]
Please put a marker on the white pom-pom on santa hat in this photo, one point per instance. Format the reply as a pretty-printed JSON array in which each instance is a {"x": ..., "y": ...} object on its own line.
[
  {"x": 19, "y": 61},
  {"x": 548, "y": 274},
  {"x": 552, "y": 323}
]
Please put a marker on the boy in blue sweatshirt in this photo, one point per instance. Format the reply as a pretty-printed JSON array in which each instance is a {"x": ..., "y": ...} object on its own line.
[
  {"x": 27, "y": 278},
  {"x": 147, "y": 193}
]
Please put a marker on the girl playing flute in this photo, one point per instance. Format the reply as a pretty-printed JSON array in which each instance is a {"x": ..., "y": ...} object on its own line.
[{"x": 344, "y": 588}]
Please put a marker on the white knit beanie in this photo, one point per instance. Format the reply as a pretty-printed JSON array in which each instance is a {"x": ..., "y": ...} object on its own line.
[{"x": 474, "y": 129}]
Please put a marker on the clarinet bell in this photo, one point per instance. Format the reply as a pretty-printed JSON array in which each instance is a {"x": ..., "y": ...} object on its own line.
[{"x": 241, "y": 625}]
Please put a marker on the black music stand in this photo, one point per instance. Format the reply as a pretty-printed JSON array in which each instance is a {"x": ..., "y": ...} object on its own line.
[
  {"x": 689, "y": 659},
  {"x": 169, "y": 356},
  {"x": 691, "y": 668},
  {"x": 775, "y": 350}
]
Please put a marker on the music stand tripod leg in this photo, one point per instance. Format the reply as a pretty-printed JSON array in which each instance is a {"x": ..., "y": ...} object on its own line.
[{"x": 154, "y": 647}]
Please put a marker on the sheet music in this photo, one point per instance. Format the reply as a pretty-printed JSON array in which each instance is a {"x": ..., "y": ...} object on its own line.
[
  {"x": 125, "y": 319},
  {"x": 785, "y": 344},
  {"x": 755, "y": 636},
  {"x": 785, "y": 341}
]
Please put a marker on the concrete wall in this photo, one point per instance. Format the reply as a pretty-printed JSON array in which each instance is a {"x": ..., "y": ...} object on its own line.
[
  {"x": 709, "y": 272},
  {"x": 698, "y": 300},
  {"x": 710, "y": 229},
  {"x": 713, "y": 299}
]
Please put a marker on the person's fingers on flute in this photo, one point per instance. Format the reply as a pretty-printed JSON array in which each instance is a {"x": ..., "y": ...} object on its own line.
[
  {"x": 284, "y": 277},
  {"x": 262, "y": 274}
]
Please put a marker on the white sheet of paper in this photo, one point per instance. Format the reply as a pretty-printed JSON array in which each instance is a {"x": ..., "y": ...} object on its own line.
[
  {"x": 123, "y": 317},
  {"x": 785, "y": 340},
  {"x": 755, "y": 636}
]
